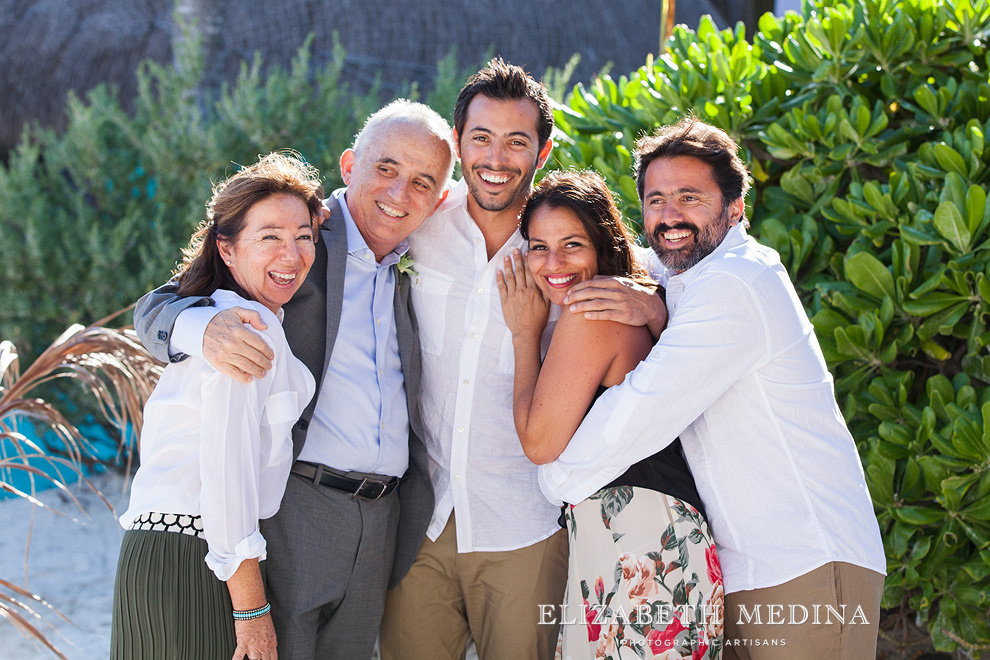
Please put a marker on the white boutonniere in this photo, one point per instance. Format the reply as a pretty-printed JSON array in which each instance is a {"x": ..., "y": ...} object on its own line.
[{"x": 406, "y": 265}]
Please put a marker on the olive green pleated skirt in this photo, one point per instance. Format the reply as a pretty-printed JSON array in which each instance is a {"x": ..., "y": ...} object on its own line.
[{"x": 167, "y": 604}]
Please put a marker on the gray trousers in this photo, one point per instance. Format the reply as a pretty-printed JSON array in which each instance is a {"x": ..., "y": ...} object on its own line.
[{"x": 329, "y": 560}]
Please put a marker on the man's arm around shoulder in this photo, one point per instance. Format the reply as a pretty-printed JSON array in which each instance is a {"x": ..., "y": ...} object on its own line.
[
  {"x": 154, "y": 319},
  {"x": 174, "y": 327}
]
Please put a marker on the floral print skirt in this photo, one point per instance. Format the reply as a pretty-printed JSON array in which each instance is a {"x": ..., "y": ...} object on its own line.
[{"x": 644, "y": 579}]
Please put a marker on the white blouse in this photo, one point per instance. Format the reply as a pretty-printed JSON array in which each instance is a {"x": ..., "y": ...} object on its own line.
[{"x": 221, "y": 449}]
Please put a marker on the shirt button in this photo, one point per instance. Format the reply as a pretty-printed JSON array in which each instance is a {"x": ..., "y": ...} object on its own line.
[
  {"x": 460, "y": 429},
  {"x": 474, "y": 335},
  {"x": 466, "y": 381},
  {"x": 378, "y": 321},
  {"x": 477, "y": 241},
  {"x": 481, "y": 289},
  {"x": 381, "y": 372},
  {"x": 457, "y": 476}
]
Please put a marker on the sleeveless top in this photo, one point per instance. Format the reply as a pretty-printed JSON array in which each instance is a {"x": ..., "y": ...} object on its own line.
[{"x": 665, "y": 472}]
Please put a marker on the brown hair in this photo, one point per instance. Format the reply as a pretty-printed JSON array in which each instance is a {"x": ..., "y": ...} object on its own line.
[
  {"x": 502, "y": 81},
  {"x": 203, "y": 270},
  {"x": 691, "y": 137},
  {"x": 586, "y": 194}
]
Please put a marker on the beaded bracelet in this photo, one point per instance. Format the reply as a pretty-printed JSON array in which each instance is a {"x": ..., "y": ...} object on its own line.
[{"x": 247, "y": 615}]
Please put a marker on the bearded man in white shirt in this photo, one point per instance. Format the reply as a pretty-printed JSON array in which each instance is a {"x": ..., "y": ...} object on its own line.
[{"x": 738, "y": 374}]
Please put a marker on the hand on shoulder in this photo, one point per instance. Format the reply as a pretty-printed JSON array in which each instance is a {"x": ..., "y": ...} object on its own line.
[
  {"x": 620, "y": 299},
  {"x": 235, "y": 350}
]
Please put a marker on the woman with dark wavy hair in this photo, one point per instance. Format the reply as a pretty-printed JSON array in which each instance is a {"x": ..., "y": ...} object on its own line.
[
  {"x": 642, "y": 570},
  {"x": 216, "y": 453}
]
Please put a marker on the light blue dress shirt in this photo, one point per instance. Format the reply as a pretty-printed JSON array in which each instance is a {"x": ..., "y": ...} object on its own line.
[{"x": 361, "y": 421}]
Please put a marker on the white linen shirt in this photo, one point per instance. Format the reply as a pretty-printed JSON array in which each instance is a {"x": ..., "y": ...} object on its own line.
[
  {"x": 477, "y": 465},
  {"x": 739, "y": 376},
  {"x": 221, "y": 449}
]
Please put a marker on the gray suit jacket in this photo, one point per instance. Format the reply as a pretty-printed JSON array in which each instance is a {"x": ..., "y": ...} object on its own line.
[{"x": 312, "y": 314}]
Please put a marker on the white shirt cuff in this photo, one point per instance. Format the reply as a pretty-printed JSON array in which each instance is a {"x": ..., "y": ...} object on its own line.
[
  {"x": 225, "y": 565},
  {"x": 548, "y": 483},
  {"x": 189, "y": 329}
]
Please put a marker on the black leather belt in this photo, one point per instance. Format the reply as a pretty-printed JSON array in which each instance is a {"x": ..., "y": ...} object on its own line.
[{"x": 368, "y": 488}]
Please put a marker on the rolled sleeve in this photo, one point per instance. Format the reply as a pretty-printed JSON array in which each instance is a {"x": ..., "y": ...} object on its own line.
[{"x": 225, "y": 564}]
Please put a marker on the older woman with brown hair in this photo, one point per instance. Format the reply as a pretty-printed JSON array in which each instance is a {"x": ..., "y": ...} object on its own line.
[
  {"x": 642, "y": 570},
  {"x": 216, "y": 453}
]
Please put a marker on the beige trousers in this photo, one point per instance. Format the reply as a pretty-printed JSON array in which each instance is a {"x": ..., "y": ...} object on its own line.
[
  {"x": 831, "y": 613},
  {"x": 493, "y": 596}
]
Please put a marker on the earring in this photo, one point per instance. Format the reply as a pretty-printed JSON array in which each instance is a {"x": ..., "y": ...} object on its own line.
[{"x": 228, "y": 263}]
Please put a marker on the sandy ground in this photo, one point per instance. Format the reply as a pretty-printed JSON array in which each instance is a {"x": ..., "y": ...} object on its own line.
[{"x": 70, "y": 563}]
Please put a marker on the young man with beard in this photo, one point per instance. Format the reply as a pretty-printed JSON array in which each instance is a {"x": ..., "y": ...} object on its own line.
[
  {"x": 494, "y": 551},
  {"x": 739, "y": 376}
]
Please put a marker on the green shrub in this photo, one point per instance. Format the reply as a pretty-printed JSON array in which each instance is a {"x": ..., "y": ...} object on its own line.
[
  {"x": 92, "y": 218},
  {"x": 865, "y": 123}
]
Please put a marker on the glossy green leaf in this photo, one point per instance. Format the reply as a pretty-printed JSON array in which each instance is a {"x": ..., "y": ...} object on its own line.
[
  {"x": 950, "y": 160},
  {"x": 950, "y": 224},
  {"x": 868, "y": 274}
]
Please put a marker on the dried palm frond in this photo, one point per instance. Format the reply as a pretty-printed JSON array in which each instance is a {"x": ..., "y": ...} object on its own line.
[
  {"x": 109, "y": 363},
  {"x": 115, "y": 368},
  {"x": 19, "y": 613}
]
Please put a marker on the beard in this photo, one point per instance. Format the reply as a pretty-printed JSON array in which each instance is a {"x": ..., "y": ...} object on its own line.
[
  {"x": 499, "y": 204},
  {"x": 704, "y": 242}
]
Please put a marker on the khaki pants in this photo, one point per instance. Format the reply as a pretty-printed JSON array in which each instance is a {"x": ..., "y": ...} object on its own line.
[
  {"x": 831, "y": 613},
  {"x": 493, "y": 596}
]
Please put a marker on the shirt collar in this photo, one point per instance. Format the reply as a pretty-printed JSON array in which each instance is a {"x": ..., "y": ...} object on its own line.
[
  {"x": 735, "y": 237},
  {"x": 456, "y": 198},
  {"x": 356, "y": 245}
]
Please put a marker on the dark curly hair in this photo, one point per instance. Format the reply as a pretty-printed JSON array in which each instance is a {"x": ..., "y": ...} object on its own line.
[
  {"x": 691, "y": 137},
  {"x": 586, "y": 194},
  {"x": 502, "y": 81}
]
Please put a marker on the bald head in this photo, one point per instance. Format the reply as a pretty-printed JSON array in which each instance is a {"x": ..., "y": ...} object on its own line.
[
  {"x": 397, "y": 173},
  {"x": 407, "y": 116}
]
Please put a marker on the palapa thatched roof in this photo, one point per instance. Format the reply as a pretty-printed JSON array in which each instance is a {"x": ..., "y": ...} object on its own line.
[{"x": 48, "y": 47}]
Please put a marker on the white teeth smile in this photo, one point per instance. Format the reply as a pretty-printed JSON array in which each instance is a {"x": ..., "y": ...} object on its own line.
[
  {"x": 677, "y": 235},
  {"x": 389, "y": 211},
  {"x": 494, "y": 178},
  {"x": 283, "y": 278},
  {"x": 557, "y": 281}
]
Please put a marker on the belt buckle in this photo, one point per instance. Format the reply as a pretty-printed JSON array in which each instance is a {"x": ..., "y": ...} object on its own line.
[{"x": 368, "y": 481}]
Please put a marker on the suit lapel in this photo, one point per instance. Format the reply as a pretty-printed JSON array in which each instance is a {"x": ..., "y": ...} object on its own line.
[
  {"x": 335, "y": 234},
  {"x": 405, "y": 328},
  {"x": 312, "y": 317}
]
